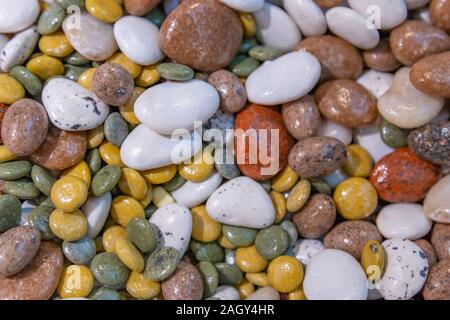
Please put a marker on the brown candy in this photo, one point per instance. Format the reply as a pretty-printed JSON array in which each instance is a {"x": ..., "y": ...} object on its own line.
[
  {"x": 140, "y": 7},
  {"x": 338, "y": 58},
  {"x": 203, "y": 34},
  {"x": 301, "y": 117},
  {"x": 381, "y": 57},
  {"x": 437, "y": 286},
  {"x": 185, "y": 284},
  {"x": 112, "y": 84},
  {"x": 440, "y": 13},
  {"x": 24, "y": 127},
  {"x": 351, "y": 236},
  {"x": 61, "y": 149},
  {"x": 231, "y": 91},
  {"x": 347, "y": 102},
  {"x": 316, "y": 217},
  {"x": 429, "y": 251},
  {"x": 3, "y": 108},
  {"x": 39, "y": 279},
  {"x": 440, "y": 239},
  {"x": 414, "y": 40}
]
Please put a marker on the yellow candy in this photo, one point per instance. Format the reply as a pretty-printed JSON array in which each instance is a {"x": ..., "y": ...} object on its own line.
[
  {"x": 279, "y": 204},
  {"x": 129, "y": 255},
  {"x": 245, "y": 289},
  {"x": 76, "y": 282},
  {"x": 133, "y": 184},
  {"x": 249, "y": 260},
  {"x": 298, "y": 196},
  {"x": 111, "y": 235},
  {"x": 204, "y": 228},
  {"x": 248, "y": 23},
  {"x": 6, "y": 155},
  {"x": 45, "y": 66},
  {"x": 284, "y": 180},
  {"x": 297, "y": 294},
  {"x": 148, "y": 196},
  {"x": 225, "y": 243},
  {"x": 69, "y": 193},
  {"x": 99, "y": 245},
  {"x": 285, "y": 274},
  {"x": 148, "y": 77},
  {"x": 85, "y": 79},
  {"x": 81, "y": 171},
  {"x": 43, "y": 5},
  {"x": 142, "y": 288},
  {"x": 199, "y": 168},
  {"x": 125, "y": 208},
  {"x": 68, "y": 226},
  {"x": 95, "y": 137},
  {"x": 355, "y": 198},
  {"x": 160, "y": 175},
  {"x": 56, "y": 45},
  {"x": 107, "y": 11},
  {"x": 127, "y": 110},
  {"x": 133, "y": 68},
  {"x": 10, "y": 89},
  {"x": 259, "y": 279},
  {"x": 161, "y": 197},
  {"x": 110, "y": 154},
  {"x": 359, "y": 162},
  {"x": 372, "y": 259}
]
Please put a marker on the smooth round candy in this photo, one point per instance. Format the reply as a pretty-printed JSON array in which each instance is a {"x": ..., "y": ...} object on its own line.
[
  {"x": 285, "y": 274},
  {"x": 109, "y": 270},
  {"x": 69, "y": 193}
]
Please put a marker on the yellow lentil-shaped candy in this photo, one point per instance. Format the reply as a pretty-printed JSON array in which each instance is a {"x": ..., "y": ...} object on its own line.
[
  {"x": 69, "y": 193},
  {"x": 161, "y": 197},
  {"x": 160, "y": 175},
  {"x": 129, "y": 255},
  {"x": 259, "y": 279},
  {"x": 81, "y": 171},
  {"x": 125, "y": 208},
  {"x": 279, "y": 204},
  {"x": 107, "y": 11},
  {"x": 204, "y": 228},
  {"x": 5, "y": 154},
  {"x": 68, "y": 226},
  {"x": 10, "y": 89},
  {"x": 284, "y": 180},
  {"x": 225, "y": 243},
  {"x": 298, "y": 196},
  {"x": 85, "y": 79},
  {"x": 55, "y": 45},
  {"x": 249, "y": 260},
  {"x": 95, "y": 137},
  {"x": 285, "y": 274},
  {"x": 76, "y": 282},
  {"x": 359, "y": 162},
  {"x": 111, "y": 235},
  {"x": 372, "y": 258},
  {"x": 245, "y": 289},
  {"x": 148, "y": 77},
  {"x": 140, "y": 287},
  {"x": 45, "y": 66},
  {"x": 127, "y": 110},
  {"x": 297, "y": 294},
  {"x": 248, "y": 23},
  {"x": 199, "y": 168},
  {"x": 110, "y": 154},
  {"x": 132, "y": 183},
  {"x": 133, "y": 68}
]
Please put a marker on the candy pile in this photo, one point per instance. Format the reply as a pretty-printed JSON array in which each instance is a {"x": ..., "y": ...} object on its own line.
[{"x": 225, "y": 149}]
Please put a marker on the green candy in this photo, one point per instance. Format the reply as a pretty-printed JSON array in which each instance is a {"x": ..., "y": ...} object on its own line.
[
  {"x": 94, "y": 161},
  {"x": 241, "y": 237},
  {"x": 42, "y": 179},
  {"x": 266, "y": 184},
  {"x": 161, "y": 264},
  {"x": 38, "y": 218},
  {"x": 104, "y": 293},
  {"x": 109, "y": 270},
  {"x": 28, "y": 79},
  {"x": 174, "y": 184},
  {"x": 237, "y": 59},
  {"x": 105, "y": 179},
  {"x": 175, "y": 71},
  {"x": 210, "y": 251},
  {"x": 80, "y": 252},
  {"x": 271, "y": 242},
  {"x": 291, "y": 231},
  {"x": 22, "y": 188},
  {"x": 263, "y": 53},
  {"x": 210, "y": 277},
  {"x": 116, "y": 129},
  {"x": 142, "y": 234},
  {"x": 228, "y": 274},
  {"x": 247, "y": 44},
  {"x": 73, "y": 72},
  {"x": 76, "y": 59},
  {"x": 14, "y": 169},
  {"x": 245, "y": 67},
  {"x": 150, "y": 210},
  {"x": 67, "y": 3},
  {"x": 156, "y": 16},
  {"x": 320, "y": 185},
  {"x": 392, "y": 135},
  {"x": 10, "y": 212},
  {"x": 51, "y": 19}
]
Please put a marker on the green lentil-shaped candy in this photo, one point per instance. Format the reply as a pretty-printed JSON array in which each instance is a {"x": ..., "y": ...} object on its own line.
[
  {"x": 42, "y": 179},
  {"x": 14, "y": 169},
  {"x": 104, "y": 293},
  {"x": 210, "y": 251},
  {"x": 320, "y": 185},
  {"x": 109, "y": 270},
  {"x": 38, "y": 218},
  {"x": 291, "y": 231},
  {"x": 94, "y": 161},
  {"x": 237, "y": 59},
  {"x": 228, "y": 274},
  {"x": 392, "y": 135},
  {"x": 245, "y": 67},
  {"x": 142, "y": 234},
  {"x": 73, "y": 72},
  {"x": 51, "y": 19},
  {"x": 105, "y": 179},
  {"x": 80, "y": 252},
  {"x": 67, "y": 3},
  {"x": 239, "y": 236},
  {"x": 10, "y": 211},
  {"x": 271, "y": 242},
  {"x": 175, "y": 71},
  {"x": 76, "y": 59},
  {"x": 29, "y": 80},
  {"x": 116, "y": 129},
  {"x": 210, "y": 277},
  {"x": 174, "y": 184},
  {"x": 161, "y": 264},
  {"x": 263, "y": 53},
  {"x": 150, "y": 210},
  {"x": 22, "y": 188}
]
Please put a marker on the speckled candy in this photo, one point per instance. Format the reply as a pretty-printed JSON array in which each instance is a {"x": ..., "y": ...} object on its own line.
[{"x": 185, "y": 284}]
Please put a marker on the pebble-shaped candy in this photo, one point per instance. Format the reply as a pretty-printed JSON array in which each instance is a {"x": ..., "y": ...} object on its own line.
[
  {"x": 308, "y": 16},
  {"x": 18, "y": 49},
  {"x": 305, "y": 249},
  {"x": 373, "y": 259},
  {"x": 285, "y": 274},
  {"x": 142, "y": 288},
  {"x": 109, "y": 270},
  {"x": 111, "y": 235},
  {"x": 69, "y": 193},
  {"x": 129, "y": 255},
  {"x": 68, "y": 226},
  {"x": 142, "y": 234},
  {"x": 10, "y": 89},
  {"x": 132, "y": 183},
  {"x": 107, "y": 11},
  {"x": 82, "y": 276},
  {"x": 161, "y": 264},
  {"x": 125, "y": 208},
  {"x": 392, "y": 13},
  {"x": 204, "y": 228},
  {"x": 16, "y": 16},
  {"x": 113, "y": 84},
  {"x": 436, "y": 203}
]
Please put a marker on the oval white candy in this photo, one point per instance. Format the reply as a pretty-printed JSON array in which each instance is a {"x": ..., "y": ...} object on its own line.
[
  {"x": 391, "y": 13},
  {"x": 169, "y": 106},
  {"x": 18, "y": 49},
  {"x": 404, "y": 221},
  {"x": 264, "y": 293},
  {"x": 285, "y": 79},
  {"x": 305, "y": 249},
  {"x": 72, "y": 107},
  {"x": 138, "y": 38},
  {"x": 96, "y": 210},
  {"x": 244, "y": 5},
  {"x": 437, "y": 201},
  {"x": 16, "y": 15},
  {"x": 335, "y": 130},
  {"x": 405, "y": 272},
  {"x": 241, "y": 202},
  {"x": 226, "y": 293},
  {"x": 308, "y": 16}
]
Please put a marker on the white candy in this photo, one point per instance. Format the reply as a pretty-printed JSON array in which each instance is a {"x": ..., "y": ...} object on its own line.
[
  {"x": 276, "y": 29},
  {"x": 174, "y": 223},
  {"x": 305, "y": 249},
  {"x": 406, "y": 270},
  {"x": 391, "y": 13},
  {"x": 404, "y": 221},
  {"x": 18, "y": 49},
  {"x": 96, "y": 210},
  {"x": 335, "y": 275},
  {"x": 437, "y": 201},
  {"x": 17, "y": 15},
  {"x": 308, "y": 16},
  {"x": 353, "y": 27},
  {"x": 264, "y": 293},
  {"x": 3, "y": 41},
  {"x": 144, "y": 149},
  {"x": 72, "y": 107},
  {"x": 369, "y": 138},
  {"x": 244, "y": 5},
  {"x": 285, "y": 79},
  {"x": 376, "y": 82},
  {"x": 169, "y": 106},
  {"x": 335, "y": 130},
  {"x": 138, "y": 39},
  {"x": 405, "y": 106},
  {"x": 226, "y": 293},
  {"x": 191, "y": 194},
  {"x": 241, "y": 202}
]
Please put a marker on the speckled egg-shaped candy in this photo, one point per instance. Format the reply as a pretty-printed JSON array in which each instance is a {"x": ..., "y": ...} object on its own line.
[
  {"x": 185, "y": 284},
  {"x": 301, "y": 117},
  {"x": 109, "y": 270},
  {"x": 437, "y": 286},
  {"x": 437, "y": 202},
  {"x": 231, "y": 91},
  {"x": 112, "y": 84},
  {"x": 161, "y": 264},
  {"x": 440, "y": 239}
]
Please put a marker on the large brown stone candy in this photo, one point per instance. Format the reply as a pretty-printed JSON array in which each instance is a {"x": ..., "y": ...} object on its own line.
[
  {"x": 440, "y": 239},
  {"x": 185, "y": 284},
  {"x": 203, "y": 34},
  {"x": 440, "y": 13},
  {"x": 140, "y": 7},
  {"x": 301, "y": 117},
  {"x": 432, "y": 74},
  {"x": 381, "y": 57},
  {"x": 231, "y": 91},
  {"x": 112, "y": 84},
  {"x": 437, "y": 286}
]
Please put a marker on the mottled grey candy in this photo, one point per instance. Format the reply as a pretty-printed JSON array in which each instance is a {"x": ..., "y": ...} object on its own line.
[
  {"x": 221, "y": 123},
  {"x": 142, "y": 234},
  {"x": 94, "y": 161},
  {"x": 38, "y": 218},
  {"x": 22, "y": 188},
  {"x": 210, "y": 277},
  {"x": 239, "y": 236},
  {"x": 80, "y": 252},
  {"x": 42, "y": 179},
  {"x": 291, "y": 231},
  {"x": 225, "y": 164},
  {"x": 14, "y": 169},
  {"x": 271, "y": 242},
  {"x": 116, "y": 129},
  {"x": 175, "y": 71},
  {"x": 104, "y": 293},
  {"x": 105, "y": 179},
  {"x": 29, "y": 80},
  {"x": 109, "y": 270},
  {"x": 210, "y": 251},
  {"x": 10, "y": 211},
  {"x": 161, "y": 264},
  {"x": 228, "y": 274},
  {"x": 51, "y": 19}
]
